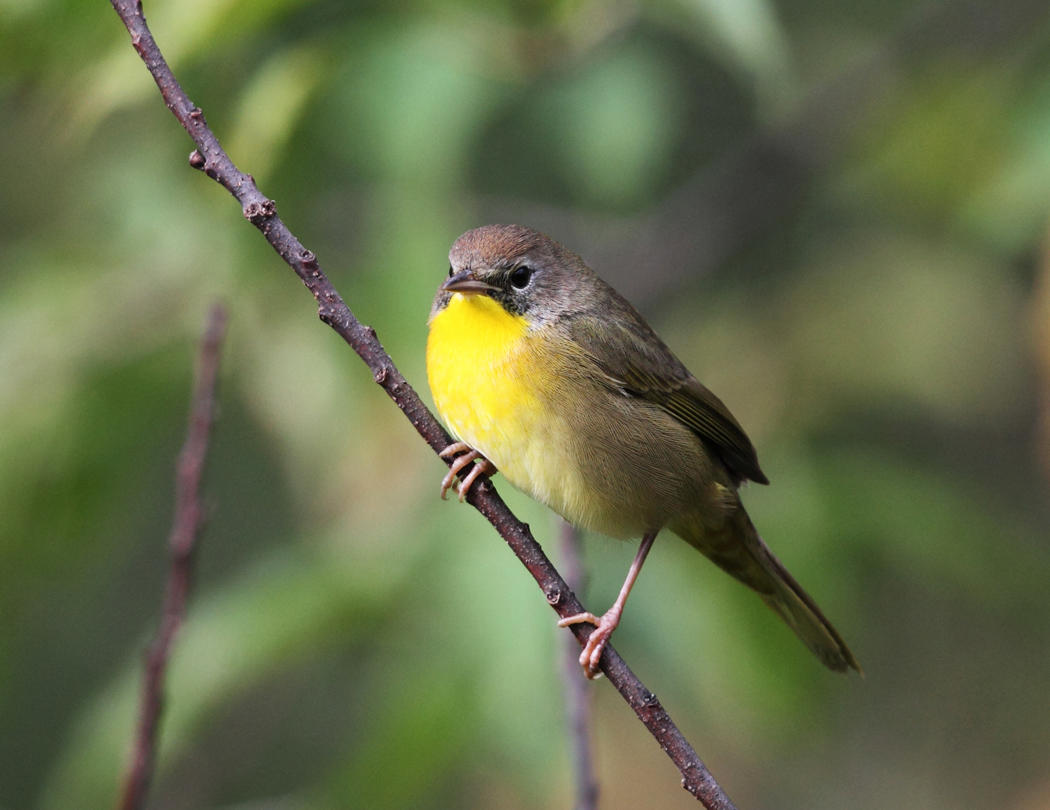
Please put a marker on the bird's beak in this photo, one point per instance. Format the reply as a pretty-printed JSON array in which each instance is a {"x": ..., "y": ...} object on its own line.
[{"x": 465, "y": 282}]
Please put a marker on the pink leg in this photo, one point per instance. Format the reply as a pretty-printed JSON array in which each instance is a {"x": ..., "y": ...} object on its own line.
[
  {"x": 604, "y": 625},
  {"x": 469, "y": 455}
]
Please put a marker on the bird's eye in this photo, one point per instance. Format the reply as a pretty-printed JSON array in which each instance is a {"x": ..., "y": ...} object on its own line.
[
  {"x": 520, "y": 278},
  {"x": 450, "y": 271}
]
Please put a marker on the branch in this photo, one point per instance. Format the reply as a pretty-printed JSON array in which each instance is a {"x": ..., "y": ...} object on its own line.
[
  {"x": 577, "y": 695},
  {"x": 261, "y": 212},
  {"x": 181, "y": 545},
  {"x": 1040, "y": 331}
]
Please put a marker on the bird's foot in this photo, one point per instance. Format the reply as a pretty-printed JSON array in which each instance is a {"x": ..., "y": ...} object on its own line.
[
  {"x": 465, "y": 455},
  {"x": 595, "y": 644}
]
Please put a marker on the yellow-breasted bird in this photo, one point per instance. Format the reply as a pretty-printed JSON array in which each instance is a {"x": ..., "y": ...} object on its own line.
[{"x": 542, "y": 370}]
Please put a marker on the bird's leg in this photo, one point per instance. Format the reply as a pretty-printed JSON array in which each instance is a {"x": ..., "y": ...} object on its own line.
[
  {"x": 607, "y": 622},
  {"x": 482, "y": 467}
]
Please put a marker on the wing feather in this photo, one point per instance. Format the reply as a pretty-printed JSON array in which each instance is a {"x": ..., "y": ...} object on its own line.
[{"x": 635, "y": 362}]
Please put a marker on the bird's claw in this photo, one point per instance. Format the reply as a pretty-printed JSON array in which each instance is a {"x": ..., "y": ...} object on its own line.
[
  {"x": 465, "y": 455},
  {"x": 590, "y": 658}
]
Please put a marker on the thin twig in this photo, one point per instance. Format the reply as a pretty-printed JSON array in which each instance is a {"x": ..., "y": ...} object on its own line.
[
  {"x": 210, "y": 157},
  {"x": 577, "y": 693},
  {"x": 186, "y": 526},
  {"x": 1040, "y": 342}
]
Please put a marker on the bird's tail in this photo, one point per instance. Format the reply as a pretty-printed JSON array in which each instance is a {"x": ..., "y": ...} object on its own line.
[{"x": 737, "y": 549}]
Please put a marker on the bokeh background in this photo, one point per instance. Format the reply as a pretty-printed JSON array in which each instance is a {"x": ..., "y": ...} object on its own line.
[{"x": 834, "y": 212}]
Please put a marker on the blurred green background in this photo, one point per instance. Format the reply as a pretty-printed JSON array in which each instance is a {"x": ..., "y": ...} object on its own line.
[{"x": 833, "y": 212}]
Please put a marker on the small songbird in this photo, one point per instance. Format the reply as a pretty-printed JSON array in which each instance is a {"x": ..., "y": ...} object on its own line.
[{"x": 543, "y": 371}]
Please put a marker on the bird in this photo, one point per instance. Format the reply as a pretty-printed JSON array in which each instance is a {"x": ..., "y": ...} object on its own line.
[{"x": 545, "y": 373}]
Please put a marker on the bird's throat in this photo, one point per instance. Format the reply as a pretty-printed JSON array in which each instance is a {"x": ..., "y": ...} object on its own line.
[{"x": 475, "y": 369}]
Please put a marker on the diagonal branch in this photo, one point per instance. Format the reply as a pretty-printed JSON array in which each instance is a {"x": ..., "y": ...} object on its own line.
[
  {"x": 210, "y": 157},
  {"x": 181, "y": 544}
]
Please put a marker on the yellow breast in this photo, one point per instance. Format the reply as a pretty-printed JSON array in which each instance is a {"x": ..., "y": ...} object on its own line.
[
  {"x": 508, "y": 393},
  {"x": 478, "y": 368}
]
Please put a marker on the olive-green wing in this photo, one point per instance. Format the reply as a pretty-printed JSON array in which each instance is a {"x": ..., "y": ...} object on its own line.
[
  {"x": 704, "y": 413},
  {"x": 637, "y": 363}
]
